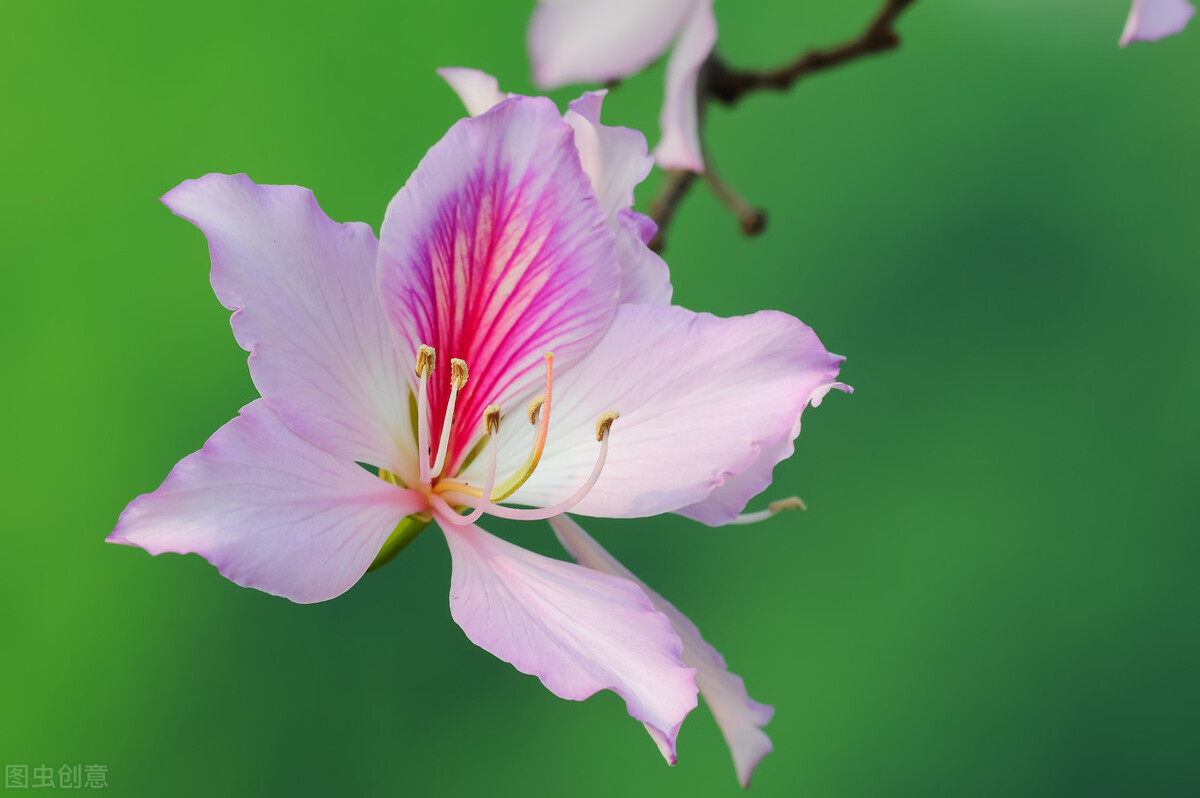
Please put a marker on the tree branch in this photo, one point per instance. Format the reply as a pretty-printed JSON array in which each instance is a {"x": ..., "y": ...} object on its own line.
[{"x": 726, "y": 85}]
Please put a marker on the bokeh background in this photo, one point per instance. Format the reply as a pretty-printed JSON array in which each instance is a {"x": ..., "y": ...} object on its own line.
[{"x": 994, "y": 592}]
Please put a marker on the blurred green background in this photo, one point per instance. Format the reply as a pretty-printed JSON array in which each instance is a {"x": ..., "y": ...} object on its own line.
[{"x": 994, "y": 592}]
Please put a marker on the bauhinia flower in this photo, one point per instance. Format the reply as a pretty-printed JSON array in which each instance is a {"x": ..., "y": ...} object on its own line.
[
  {"x": 597, "y": 41},
  {"x": 1151, "y": 20},
  {"x": 503, "y": 348}
]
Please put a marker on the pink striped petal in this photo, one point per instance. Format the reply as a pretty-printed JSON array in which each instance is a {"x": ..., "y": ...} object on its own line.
[
  {"x": 679, "y": 147},
  {"x": 306, "y": 307},
  {"x": 577, "y": 630},
  {"x": 1151, "y": 20},
  {"x": 270, "y": 511},
  {"x": 478, "y": 90},
  {"x": 702, "y": 400},
  {"x": 595, "y": 41},
  {"x": 495, "y": 252},
  {"x": 739, "y": 716}
]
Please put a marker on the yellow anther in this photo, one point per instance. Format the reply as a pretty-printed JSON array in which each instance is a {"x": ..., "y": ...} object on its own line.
[
  {"x": 491, "y": 419},
  {"x": 790, "y": 503},
  {"x": 425, "y": 360},
  {"x": 604, "y": 423},
  {"x": 458, "y": 373},
  {"x": 535, "y": 408}
]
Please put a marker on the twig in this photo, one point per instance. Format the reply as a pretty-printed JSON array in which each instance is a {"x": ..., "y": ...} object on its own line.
[
  {"x": 662, "y": 209},
  {"x": 726, "y": 85}
]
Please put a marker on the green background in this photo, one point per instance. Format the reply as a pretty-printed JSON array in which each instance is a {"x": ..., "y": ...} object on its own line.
[{"x": 994, "y": 591}]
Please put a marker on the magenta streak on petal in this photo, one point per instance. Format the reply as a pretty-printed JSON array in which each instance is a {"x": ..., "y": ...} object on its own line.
[{"x": 496, "y": 252}]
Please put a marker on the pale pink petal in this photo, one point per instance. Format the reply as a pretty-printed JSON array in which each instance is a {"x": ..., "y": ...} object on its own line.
[
  {"x": 728, "y": 500},
  {"x": 615, "y": 158},
  {"x": 1151, "y": 20},
  {"x": 701, "y": 399},
  {"x": 306, "y": 307},
  {"x": 616, "y": 161},
  {"x": 595, "y": 41},
  {"x": 645, "y": 278},
  {"x": 270, "y": 511},
  {"x": 739, "y": 716},
  {"x": 495, "y": 252},
  {"x": 478, "y": 90},
  {"x": 679, "y": 147},
  {"x": 577, "y": 630}
]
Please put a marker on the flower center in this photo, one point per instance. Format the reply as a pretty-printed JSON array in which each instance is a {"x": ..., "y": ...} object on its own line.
[{"x": 448, "y": 496}]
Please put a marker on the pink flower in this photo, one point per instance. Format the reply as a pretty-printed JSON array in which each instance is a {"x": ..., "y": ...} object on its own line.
[
  {"x": 1151, "y": 20},
  {"x": 509, "y": 282},
  {"x": 597, "y": 41}
]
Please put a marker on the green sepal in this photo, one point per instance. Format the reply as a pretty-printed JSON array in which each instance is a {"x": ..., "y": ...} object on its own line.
[{"x": 405, "y": 532}]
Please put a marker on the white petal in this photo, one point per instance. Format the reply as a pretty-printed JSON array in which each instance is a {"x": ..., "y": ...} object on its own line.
[
  {"x": 478, "y": 90},
  {"x": 739, "y": 716},
  {"x": 306, "y": 306},
  {"x": 594, "y": 41},
  {"x": 270, "y": 511},
  {"x": 679, "y": 147},
  {"x": 577, "y": 630}
]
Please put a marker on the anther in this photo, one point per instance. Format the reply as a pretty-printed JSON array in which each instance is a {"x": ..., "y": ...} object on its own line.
[
  {"x": 604, "y": 424},
  {"x": 535, "y": 409},
  {"x": 458, "y": 373},
  {"x": 790, "y": 503},
  {"x": 491, "y": 420},
  {"x": 425, "y": 361}
]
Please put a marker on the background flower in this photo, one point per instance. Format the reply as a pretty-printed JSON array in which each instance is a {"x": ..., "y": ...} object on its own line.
[
  {"x": 598, "y": 41},
  {"x": 1151, "y": 20}
]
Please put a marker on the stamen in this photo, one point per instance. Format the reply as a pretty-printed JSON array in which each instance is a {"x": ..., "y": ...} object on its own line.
[
  {"x": 603, "y": 426},
  {"x": 539, "y": 415},
  {"x": 458, "y": 378},
  {"x": 774, "y": 508},
  {"x": 425, "y": 362},
  {"x": 535, "y": 408},
  {"x": 491, "y": 426}
]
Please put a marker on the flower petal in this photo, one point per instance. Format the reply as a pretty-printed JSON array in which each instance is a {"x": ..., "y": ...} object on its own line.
[
  {"x": 577, "y": 630},
  {"x": 679, "y": 147},
  {"x": 270, "y": 511},
  {"x": 701, "y": 400},
  {"x": 728, "y": 499},
  {"x": 306, "y": 307},
  {"x": 614, "y": 158},
  {"x": 616, "y": 161},
  {"x": 478, "y": 90},
  {"x": 739, "y": 716},
  {"x": 495, "y": 252},
  {"x": 595, "y": 41},
  {"x": 1151, "y": 20}
]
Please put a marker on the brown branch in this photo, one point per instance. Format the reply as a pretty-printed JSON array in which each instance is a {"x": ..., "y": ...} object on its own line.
[
  {"x": 662, "y": 209},
  {"x": 726, "y": 85}
]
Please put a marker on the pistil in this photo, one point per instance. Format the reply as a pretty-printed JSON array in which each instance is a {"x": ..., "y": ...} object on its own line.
[
  {"x": 539, "y": 416},
  {"x": 480, "y": 505}
]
